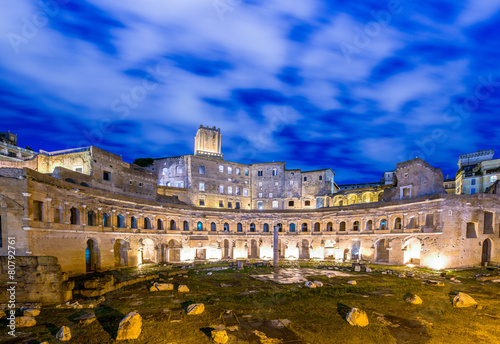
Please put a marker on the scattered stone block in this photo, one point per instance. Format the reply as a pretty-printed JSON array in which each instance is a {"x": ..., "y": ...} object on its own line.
[
  {"x": 220, "y": 336},
  {"x": 209, "y": 274},
  {"x": 330, "y": 275},
  {"x": 357, "y": 317},
  {"x": 130, "y": 327},
  {"x": 195, "y": 309},
  {"x": 463, "y": 300},
  {"x": 414, "y": 300},
  {"x": 64, "y": 334},
  {"x": 31, "y": 312},
  {"x": 162, "y": 287},
  {"x": 310, "y": 284},
  {"x": 368, "y": 269},
  {"x": 434, "y": 283},
  {"x": 85, "y": 319},
  {"x": 25, "y": 321},
  {"x": 225, "y": 285},
  {"x": 402, "y": 275},
  {"x": 352, "y": 282},
  {"x": 318, "y": 284},
  {"x": 183, "y": 289}
]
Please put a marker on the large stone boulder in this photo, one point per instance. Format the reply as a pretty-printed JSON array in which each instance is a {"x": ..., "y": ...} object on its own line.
[
  {"x": 318, "y": 284},
  {"x": 183, "y": 289},
  {"x": 220, "y": 336},
  {"x": 162, "y": 287},
  {"x": 310, "y": 284},
  {"x": 31, "y": 312},
  {"x": 463, "y": 300},
  {"x": 330, "y": 275},
  {"x": 64, "y": 334},
  {"x": 352, "y": 282},
  {"x": 414, "y": 300},
  {"x": 25, "y": 321},
  {"x": 130, "y": 327},
  {"x": 195, "y": 309},
  {"x": 357, "y": 317}
]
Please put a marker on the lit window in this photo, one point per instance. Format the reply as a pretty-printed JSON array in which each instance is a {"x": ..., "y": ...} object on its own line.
[
  {"x": 221, "y": 189},
  {"x": 259, "y": 205},
  {"x": 229, "y": 190},
  {"x": 238, "y": 191},
  {"x": 260, "y": 194},
  {"x": 202, "y": 186},
  {"x": 276, "y": 183},
  {"x": 78, "y": 169},
  {"x": 291, "y": 182},
  {"x": 229, "y": 170},
  {"x": 245, "y": 192},
  {"x": 493, "y": 179},
  {"x": 473, "y": 181},
  {"x": 246, "y": 172},
  {"x": 179, "y": 169},
  {"x": 270, "y": 195},
  {"x": 221, "y": 168},
  {"x": 275, "y": 204},
  {"x": 238, "y": 171},
  {"x": 260, "y": 183},
  {"x": 202, "y": 169},
  {"x": 178, "y": 184}
]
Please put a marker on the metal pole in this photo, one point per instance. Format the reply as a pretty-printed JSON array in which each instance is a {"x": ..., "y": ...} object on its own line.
[{"x": 276, "y": 248}]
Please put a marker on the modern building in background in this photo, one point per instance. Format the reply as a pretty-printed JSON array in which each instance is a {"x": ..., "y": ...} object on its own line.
[{"x": 476, "y": 172}]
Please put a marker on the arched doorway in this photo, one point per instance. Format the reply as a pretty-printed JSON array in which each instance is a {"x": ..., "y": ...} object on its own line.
[
  {"x": 486, "y": 255},
  {"x": 120, "y": 249},
  {"x": 254, "y": 249},
  {"x": 355, "y": 250},
  {"x": 92, "y": 256},
  {"x": 227, "y": 249},
  {"x": 148, "y": 251},
  {"x": 382, "y": 251},
  {"x": 412, "y": 251},
  {"x": 174, "y": 251},
  {"x": 304, "y": 249}
]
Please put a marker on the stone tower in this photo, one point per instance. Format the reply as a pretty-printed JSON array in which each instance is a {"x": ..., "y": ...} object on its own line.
[{"x": 207, "y": 143}]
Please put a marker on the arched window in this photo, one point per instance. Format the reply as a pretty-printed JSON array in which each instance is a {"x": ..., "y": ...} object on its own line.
[
  {"x": 342, "y": 226},
  {"x": 147, "y": 223},
  {"x": 383, "y": 224},
  {"x": 106, "y": 220},
  {"x": 186, "y": 226},
  {"x": 213, "y": 227},
  {"x": 265, "y": 228},
  {"x": 159, "y": 224},
  {"x": 133, "y": 222},
  {"x": 317, "y": 227},
  {"x": 369, "y": 225},
  {"x": 172, "y": 225},
  {"x": 239, "y": 227},
  {"x": 120, "y": 221},
  {"x": 355, "y": 226},
  {"x": 280, "y": 227},
  {"x": 304, "y": 227},
  {"x": 91, "y": 218},
  {"x": 291, "y": 227},
  {"x": 397, "y": 223},
  {"x": 329, "y": 227},
  {"x": 252, "y": 227},
  {"x": 226, "y": 227},
  {"x": 200, "y": 226},
  {"x": 74, "y": 216}
]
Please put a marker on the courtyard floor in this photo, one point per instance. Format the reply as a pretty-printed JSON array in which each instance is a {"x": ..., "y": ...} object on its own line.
[{"x": 255, "y": 305}]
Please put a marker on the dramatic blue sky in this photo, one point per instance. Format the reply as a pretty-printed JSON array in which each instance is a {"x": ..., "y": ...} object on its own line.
[{"x": 356, "y": 86}]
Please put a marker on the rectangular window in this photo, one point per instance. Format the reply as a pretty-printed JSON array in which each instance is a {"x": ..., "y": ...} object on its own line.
[
  {"x": 473, "y": 181},
  {"x": 238, "y": 171},
  {"x": 221, "y": 204},
  {"x": 275, "y": 204},
  {"x": 259, "y": 205},
  {"x": 106, "y": 175},
  {"x": 259, "y": 173},
  {"x": 229, "y": 204},
  {"x": 472, "y": 191},
  {"x": 202, "y": 186},
  {"x": 270, "y": 195},
  {"x": 221, "y": 189},
  {"x": 260, "y": 194},
  {"x": 275, "y": 171},
  {"x": 37, "y": 211},
  {"x": 290, "y": 203},
  {"x": 246, "y": 172},
  {"x": 229, "y": 190},
  {"x": 493, "y": 179},
  {"x": 308, "y": 203},
  {"x": 305, "y": 179},
  {"x": 276, "y": 183},
  {"x": 245, "y": 192},
  {"x": 237, "y": 205},
  {"x": 229, "y": 170},
  {"x": 260, "y": 183},
  {"x": 78, "y": 169},
  {"x": 180, "y": 184},
  {"x": 291, "y": 182},
  {"x": 221, "y": 168},
  {"x": 202, "y": 202},
  {"x": 238, "y": 191},
  {"x": 202, "y": 169},
  {"x": 320, "y": 177},
  {"x": 140, "y": 184}
]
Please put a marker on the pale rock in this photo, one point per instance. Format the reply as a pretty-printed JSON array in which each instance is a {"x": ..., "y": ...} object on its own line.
[
  {"x": 162, "y": 287},
  {"x": 195, "y": 309},
  {"x": 220, "y": 336},
  {"x": 209, "y": 274},
  {"x": 368, "y": 269},
  {"x": 357, "y": 317},
  {"x": 414, "y": 300},
  {"x": 318, "y": 284},
  {"x": 330, "y": 275},
  {"x": 310, "y": 284},
  {"x": 85, "y": 319},
  {"x": 25, "y": 321},
  {"x": 31, "y": 312},
  {"x": 130, "y": 327},
  {"x": 64, "y": 334},
  {"x": 496, "y": 280},
  {"x": 434, "y": 283},
  {"x": 463, "y": 300},
  {"x": 402, "y": 275},
  {"x": 183, "y": 289},
  {"x": 352, "y": 282}
]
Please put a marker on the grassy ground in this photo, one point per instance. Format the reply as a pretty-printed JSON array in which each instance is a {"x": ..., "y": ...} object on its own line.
[{"x": 316, "y": 315}]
